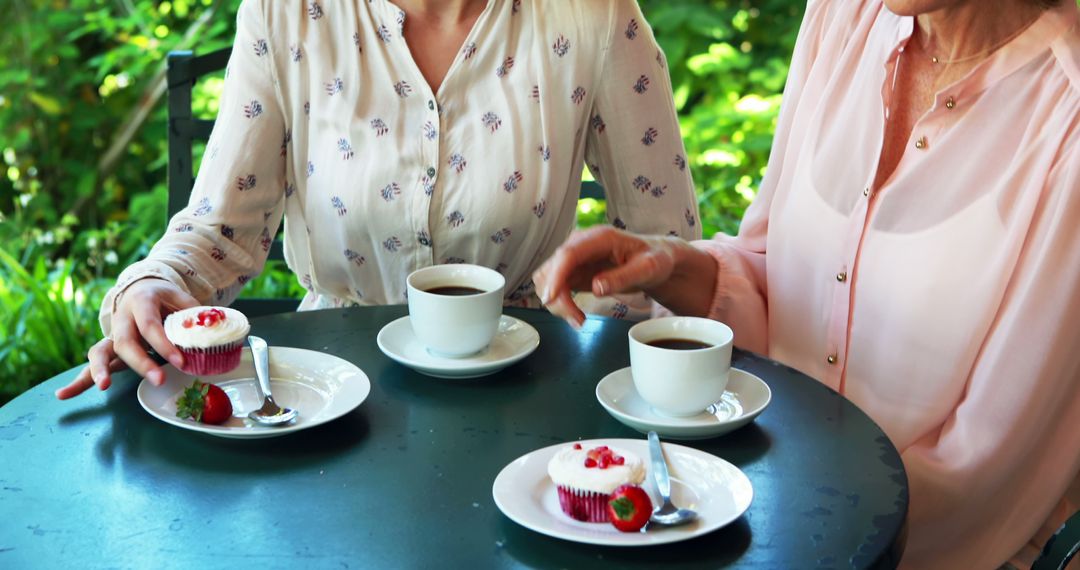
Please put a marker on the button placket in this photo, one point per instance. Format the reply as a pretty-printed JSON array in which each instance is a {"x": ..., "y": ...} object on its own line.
[{"x": 429, "y": 160}]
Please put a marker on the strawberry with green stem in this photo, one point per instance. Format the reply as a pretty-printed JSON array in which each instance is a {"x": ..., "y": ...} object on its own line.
[
  {"x": 629, "y": 508},
  {"x": 204, "y": 403}
]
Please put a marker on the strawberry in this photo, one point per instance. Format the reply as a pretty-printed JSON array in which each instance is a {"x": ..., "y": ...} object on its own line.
[
  {"x": 204, "y": 403},
  {"x": 629, "y": 508}
]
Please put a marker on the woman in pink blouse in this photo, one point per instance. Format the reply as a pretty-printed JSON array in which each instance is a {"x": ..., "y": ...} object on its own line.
[
  {"x": 396, "y": 135},
  {"x": 915, "y": 245}
]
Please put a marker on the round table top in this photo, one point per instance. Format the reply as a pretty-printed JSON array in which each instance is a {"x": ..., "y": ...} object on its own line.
[{"x": 405, "y": 479}]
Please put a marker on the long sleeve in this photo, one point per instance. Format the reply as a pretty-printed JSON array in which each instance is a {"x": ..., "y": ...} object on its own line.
[
  {"x": 635, "y": 150},
  {"x": 739, "y": 299},
  {"x": 1013, "y": 440},
  {"x": 221, "y": 239},
  {"x": 634, "y": 147}
]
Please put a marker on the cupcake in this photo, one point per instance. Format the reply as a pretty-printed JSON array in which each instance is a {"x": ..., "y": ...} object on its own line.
[
  {"x": 585, "y": 478},
  {"x": 210, "y": 338}
]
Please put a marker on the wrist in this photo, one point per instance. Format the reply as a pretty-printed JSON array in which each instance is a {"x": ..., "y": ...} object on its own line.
[{"x": 689, "y": 290}]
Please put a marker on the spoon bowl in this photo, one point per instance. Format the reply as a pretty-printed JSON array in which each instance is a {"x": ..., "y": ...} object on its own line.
[
  {"x": 667, "y": 514},
  {"x": 270, "y": 414}
]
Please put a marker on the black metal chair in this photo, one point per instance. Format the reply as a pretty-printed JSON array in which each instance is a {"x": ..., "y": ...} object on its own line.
[
  {"x": 184, "y": 69},
  {"x": 1062, "y": 547}
]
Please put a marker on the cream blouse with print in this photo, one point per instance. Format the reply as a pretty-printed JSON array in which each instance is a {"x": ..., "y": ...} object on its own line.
[
  {"x": 945, "y": 303},
  {"x": 326, "y": 118}
]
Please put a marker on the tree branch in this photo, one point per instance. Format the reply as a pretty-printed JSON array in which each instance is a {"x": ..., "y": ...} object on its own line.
[{"x": 135, "y": 120}]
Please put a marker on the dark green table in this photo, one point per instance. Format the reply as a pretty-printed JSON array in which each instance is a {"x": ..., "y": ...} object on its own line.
[{"x": 404, "y": 481}]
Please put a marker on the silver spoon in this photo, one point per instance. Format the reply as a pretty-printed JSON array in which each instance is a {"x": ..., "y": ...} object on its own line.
[
  {"x": 270, "y": 414},
  {"x": 666, "y": 514}
]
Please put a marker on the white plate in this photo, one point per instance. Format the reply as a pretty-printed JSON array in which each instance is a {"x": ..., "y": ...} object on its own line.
[
  {"x": 746, "y": 396},
  {"x": 514, "y": 340},
  {"x": 320, "y": 386},
  {"x": 716, "y": 489}
]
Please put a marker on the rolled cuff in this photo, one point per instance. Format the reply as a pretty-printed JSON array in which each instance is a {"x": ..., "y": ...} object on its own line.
[{"x": 737, "y": 300}]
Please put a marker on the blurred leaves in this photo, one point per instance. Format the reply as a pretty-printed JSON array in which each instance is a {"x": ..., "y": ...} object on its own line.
[
  {"x": 72, "y": 72},
  {"x": 728, "y": 62}
]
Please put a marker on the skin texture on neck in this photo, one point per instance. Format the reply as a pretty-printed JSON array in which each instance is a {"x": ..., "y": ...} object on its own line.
[
  {"x": 957, "y": 29},
  {"x": 435, "y": 31},
  {"x": 442, "y": 13},
  {"x": 961, "y": 34}
]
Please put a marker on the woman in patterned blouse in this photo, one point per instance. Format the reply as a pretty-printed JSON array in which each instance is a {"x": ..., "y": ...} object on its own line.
[
  {"x": 397, "y": 135},
  {"x": 915, "y": 246}
]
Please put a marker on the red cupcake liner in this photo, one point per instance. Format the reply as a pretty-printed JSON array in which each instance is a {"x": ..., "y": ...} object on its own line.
[
  {"x": 211, "y": 360},
  {"x": 585, "y": 506}
]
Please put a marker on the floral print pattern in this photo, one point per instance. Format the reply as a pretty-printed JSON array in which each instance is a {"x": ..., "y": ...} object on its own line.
[{"x": 378, "y": 175}]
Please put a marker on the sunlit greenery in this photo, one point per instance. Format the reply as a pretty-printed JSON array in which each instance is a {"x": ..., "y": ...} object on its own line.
[{"x": 82, "y": 139}]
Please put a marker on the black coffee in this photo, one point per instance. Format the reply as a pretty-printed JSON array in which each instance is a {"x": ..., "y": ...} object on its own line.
[
  {"x": 454, "y": 290},
  {"x": 678, "y": 344}
]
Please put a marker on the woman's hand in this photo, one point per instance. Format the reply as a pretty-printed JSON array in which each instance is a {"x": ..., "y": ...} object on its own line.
[
  {"x": 607, "y": 261},
  {"x": 136, "y": 323}
]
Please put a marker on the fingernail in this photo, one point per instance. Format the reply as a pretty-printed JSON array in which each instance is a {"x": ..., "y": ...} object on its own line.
[
  {"x": 601, "y": 287},
  {"x": 156, "y": 377},
  {"x": 176, "y": 360},
  {"x": 545, "y": 295},
  {"x": 574, "y": 323}
]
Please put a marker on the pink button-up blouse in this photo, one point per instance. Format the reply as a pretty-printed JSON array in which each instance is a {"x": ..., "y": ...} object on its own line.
[{"x": 946, "y": 302}]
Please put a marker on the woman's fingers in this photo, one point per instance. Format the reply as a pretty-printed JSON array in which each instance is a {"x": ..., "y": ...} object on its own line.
[
  {"x": 128, "y": 344},
  {"x": 149, "y": 322},
  {"x": 581, "y": 257},
  {"x": 584, "y": 262},
  {"x": 563, "y": 305},
  {"x": 103, "y": 362},
  {"x": 136, "y": 324},
  {"x": 639, "y": 271},
  {"x": 77, "y": 386}
]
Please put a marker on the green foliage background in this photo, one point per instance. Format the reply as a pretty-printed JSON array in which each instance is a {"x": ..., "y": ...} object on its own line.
[{"x": 82, "y": 138}]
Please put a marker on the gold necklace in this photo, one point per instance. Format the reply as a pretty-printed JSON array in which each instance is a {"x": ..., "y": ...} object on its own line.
[{"x": 935, "y": 59}]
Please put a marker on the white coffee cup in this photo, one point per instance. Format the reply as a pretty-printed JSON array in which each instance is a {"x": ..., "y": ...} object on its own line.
[
  {"x": 680, "y": 382},
  {"x": 455, "y": 325}
]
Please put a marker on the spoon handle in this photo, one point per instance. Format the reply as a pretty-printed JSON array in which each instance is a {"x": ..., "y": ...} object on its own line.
[
  {"x": 261, "y": 356},
  {"x": 659, "y": 467}
]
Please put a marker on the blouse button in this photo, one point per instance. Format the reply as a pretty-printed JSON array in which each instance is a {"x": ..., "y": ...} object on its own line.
[
  {"x": 831, "y": 359},
  {"x": 866, "y": 191},
  {"x": 431, "y": 105},
  {"x": 950, "y": 103},
  {"x": 921, "y": 143},
  {"x": 431, "y": 171},
  {"x": 842, "y": 276}
]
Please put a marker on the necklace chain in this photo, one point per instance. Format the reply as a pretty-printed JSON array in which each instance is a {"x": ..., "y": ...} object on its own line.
[{"x": 985, "y": 52}]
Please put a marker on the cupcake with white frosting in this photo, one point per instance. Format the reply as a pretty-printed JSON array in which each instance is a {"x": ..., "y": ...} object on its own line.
[
  {"x": 585, "y": 478},
  {"x": 210, "y": 338}
]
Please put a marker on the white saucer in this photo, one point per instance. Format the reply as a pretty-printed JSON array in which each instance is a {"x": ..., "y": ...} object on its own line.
[
  {"x": 322, "y": 387},
  {"x": 514, "y": 340},
  {"x": 719, "y": 491},
  {"x": 746, "y": 396}
]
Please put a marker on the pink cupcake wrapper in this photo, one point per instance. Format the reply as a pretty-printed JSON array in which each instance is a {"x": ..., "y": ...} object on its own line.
[
  {"x": 585, "y": 506},
  {"x": 213, "y": 359}
]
